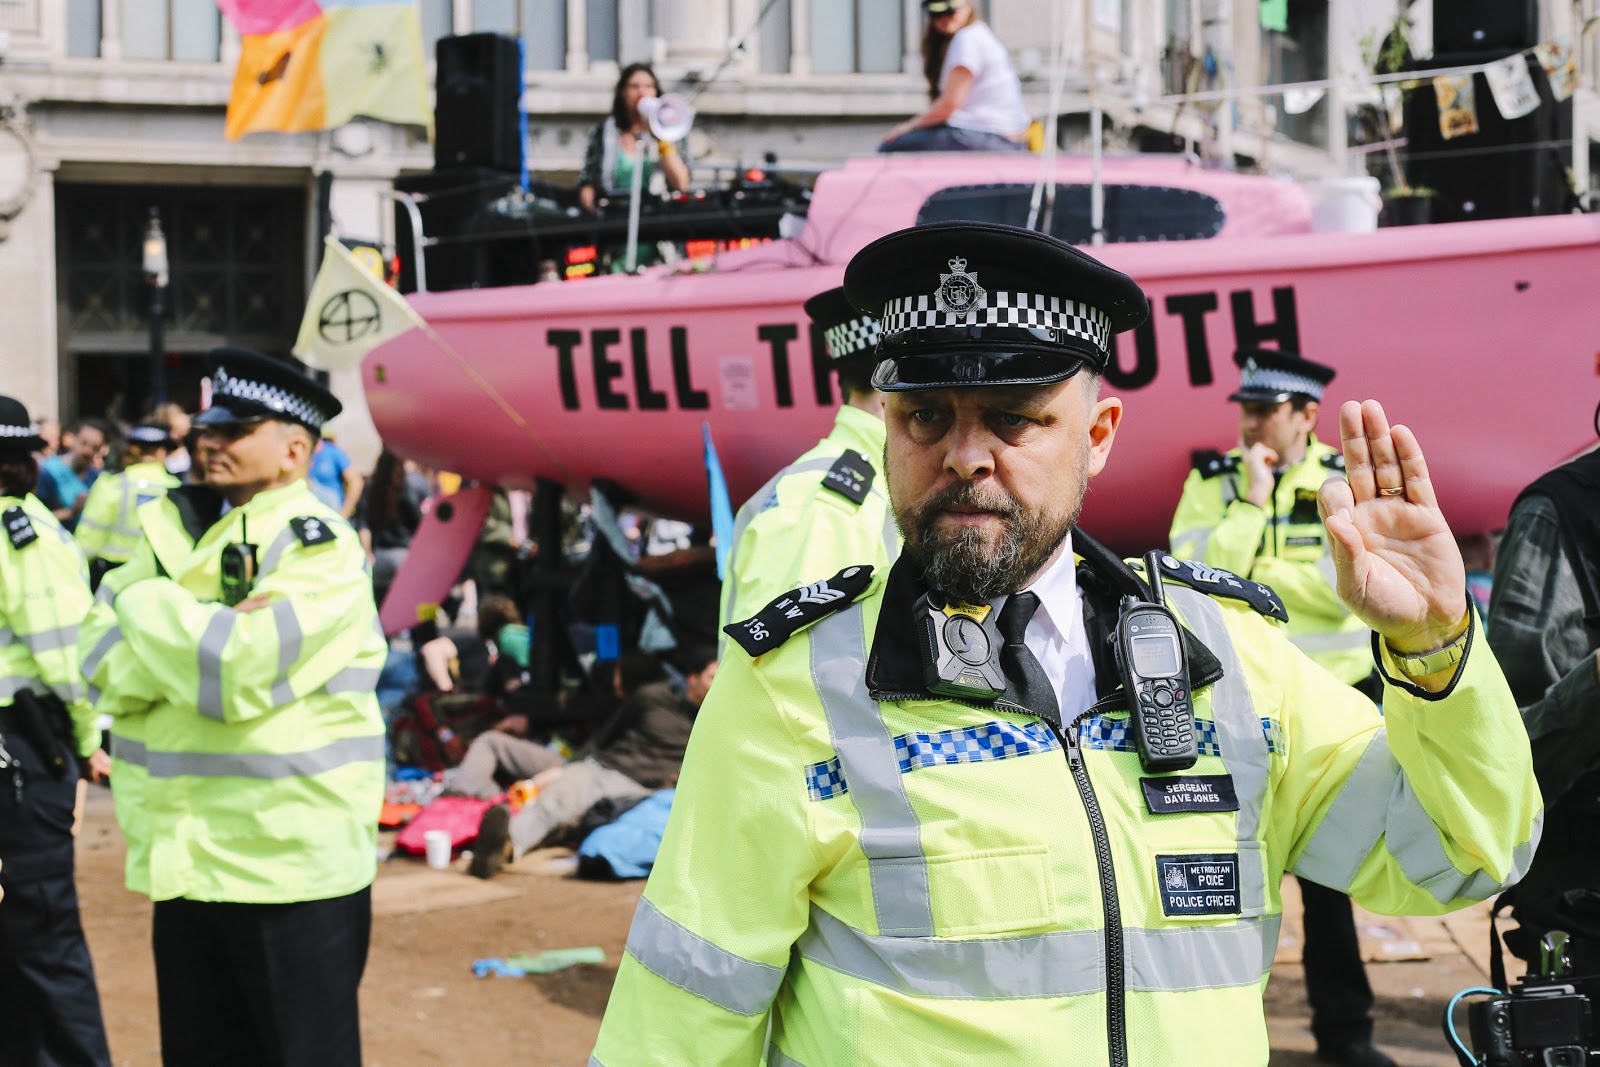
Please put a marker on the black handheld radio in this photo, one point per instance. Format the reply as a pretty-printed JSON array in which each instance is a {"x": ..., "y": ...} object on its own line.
[
  {"x": 238, "y": 569},
  {"x": 1149, "y": 651},
  {"x": 960, "y": 647}
]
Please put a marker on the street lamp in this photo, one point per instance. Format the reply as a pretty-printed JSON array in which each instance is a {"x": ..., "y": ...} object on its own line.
[{"x": 155, "y": 275}]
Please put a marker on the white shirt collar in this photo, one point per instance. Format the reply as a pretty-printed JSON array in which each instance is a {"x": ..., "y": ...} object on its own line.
[{"x": 1057, "y": 590}]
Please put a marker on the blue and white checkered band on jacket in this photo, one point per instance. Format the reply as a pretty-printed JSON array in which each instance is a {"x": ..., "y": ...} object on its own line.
[
  {"x": 1060, "y": 317},
  {"x": 276, "y": 398},
  {"x": 852, "y": 338},
  {"x": 1257, "y": 378}
]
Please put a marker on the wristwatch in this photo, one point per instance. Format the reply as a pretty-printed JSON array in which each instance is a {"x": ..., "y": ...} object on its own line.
[{"x": 1440, "y": 659}]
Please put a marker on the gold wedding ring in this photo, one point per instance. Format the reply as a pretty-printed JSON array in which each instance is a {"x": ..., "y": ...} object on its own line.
[{"x": 1396, "y": 491}]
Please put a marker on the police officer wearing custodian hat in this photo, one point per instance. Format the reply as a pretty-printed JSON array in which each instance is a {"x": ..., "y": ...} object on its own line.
[
  {"x": 1254, "y": 511},
  {"x": 891, "y": 875},
  {"x": 49, "y": 1004},
  {"x": 237, "y": 652}
]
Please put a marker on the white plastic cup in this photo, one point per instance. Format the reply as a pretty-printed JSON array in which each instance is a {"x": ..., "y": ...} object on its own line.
[{"x": 436, "y": 843}]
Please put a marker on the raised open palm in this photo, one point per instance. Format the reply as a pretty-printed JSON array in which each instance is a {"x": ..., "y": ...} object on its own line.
[{"x": 1399, "y": 569}]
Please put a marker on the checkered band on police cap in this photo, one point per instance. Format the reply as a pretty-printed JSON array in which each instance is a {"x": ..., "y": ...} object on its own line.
[
  {"x": 852, "y": 338},
  {"x": 285, "y": 402},
  {"x": 8, "y": 430},
  {"x": 1255, "y": 378},
  {"x": 1033, "y": 311}
]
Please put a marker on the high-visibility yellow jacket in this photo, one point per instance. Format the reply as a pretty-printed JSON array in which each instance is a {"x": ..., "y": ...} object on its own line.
[
  {"x": 44, "y": 595},
  {"x": 895, "y": 878},
  {"x": 247, "y": 747},
  {"x": 1282, "y": 545},
  {"x": 826, "y": 510},
  {"x": 108, "y": 528}
]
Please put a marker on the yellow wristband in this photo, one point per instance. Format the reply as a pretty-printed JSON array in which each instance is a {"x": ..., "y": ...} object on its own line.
[{"x": 665, "y": 148}]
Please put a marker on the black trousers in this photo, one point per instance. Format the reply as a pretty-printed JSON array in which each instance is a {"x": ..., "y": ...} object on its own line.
[
  {"x": 261, "y": 984},
  {"x": 49, "y": 1004},
  {"x": 1336, "y": 980}
]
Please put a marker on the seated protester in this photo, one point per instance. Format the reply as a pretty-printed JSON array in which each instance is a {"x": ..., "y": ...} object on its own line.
[
  {"x": 505, "y": 754},
  {"x": 638, "y": 752},
  {"x": 470, "y": 661}
]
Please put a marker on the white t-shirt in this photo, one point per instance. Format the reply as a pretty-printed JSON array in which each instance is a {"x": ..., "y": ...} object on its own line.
[{"x": 994, "y": 102}]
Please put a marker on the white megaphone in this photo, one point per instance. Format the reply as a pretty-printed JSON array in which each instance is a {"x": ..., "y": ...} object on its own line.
[{"x": 670, "y": 116}]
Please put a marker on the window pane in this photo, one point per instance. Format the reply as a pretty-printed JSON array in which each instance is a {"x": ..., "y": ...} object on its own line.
[
  {"x": 881, "y": 24},
  {"x": 144, "y": 29},
  {"x": 776, "y": 39},
  {"x": 634, "y": 30},
  {"x": 437, "y": 21},
  {"x": 498, "y": 16},
  {"x": 833, "y": 35},
  {"x": 602, "y": 16},
  {"x": 544, "y": 39},
  {"x": 1132, "y": 212},
  {"x": 83, "y": 28},
  {"x": 197, "y": 31}
]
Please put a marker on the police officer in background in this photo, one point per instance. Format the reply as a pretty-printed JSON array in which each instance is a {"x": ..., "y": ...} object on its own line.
[
  {"x": 887, "y": 874},
  {"x": 1254, "y": 512},
  {"x": 828, "y": 508},
  {"x": 49, "y": 1003},
  {"x": 237, "y": 653},
  {"x": 108, "y": 530}
]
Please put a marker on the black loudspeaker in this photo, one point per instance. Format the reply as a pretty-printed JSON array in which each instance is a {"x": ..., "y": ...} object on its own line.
[
  {"x": 451, "y": 201},
  {"x": 1508, "y": 169},
  {"x": 478, "y": 90},
  {"x": 1484, "y": 25}
]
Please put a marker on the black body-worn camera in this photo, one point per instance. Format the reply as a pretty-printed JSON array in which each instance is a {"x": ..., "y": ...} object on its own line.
[{"x": 1544, "y": 1021}]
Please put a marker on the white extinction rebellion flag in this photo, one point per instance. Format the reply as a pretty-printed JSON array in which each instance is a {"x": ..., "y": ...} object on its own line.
[{"x": 350, "y": 312}]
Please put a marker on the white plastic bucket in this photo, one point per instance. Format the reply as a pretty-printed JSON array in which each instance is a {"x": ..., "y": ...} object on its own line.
[{"x": 1344, "y": 205}]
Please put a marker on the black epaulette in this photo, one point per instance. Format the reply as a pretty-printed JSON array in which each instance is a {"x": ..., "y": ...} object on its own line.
[
  {"x": 797, "y": 609},
  {"x": 19, "y": 527},
  {"x": 1334, "y": 461},
  {"x": 1218, "y": 582},
  {"x": 312, "y": 530},
  {"x": 850, "y": 476},
  {"x": 1210, "y": 463}
]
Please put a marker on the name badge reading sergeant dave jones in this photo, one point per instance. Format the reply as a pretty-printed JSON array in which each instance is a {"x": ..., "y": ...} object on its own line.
[
  {"x": 1199, "y": 885},
  {"x": 1200, "y": 792}
]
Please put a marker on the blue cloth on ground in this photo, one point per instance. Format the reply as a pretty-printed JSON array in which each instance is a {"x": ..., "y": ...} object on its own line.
[{"x": 630, "y": 844}]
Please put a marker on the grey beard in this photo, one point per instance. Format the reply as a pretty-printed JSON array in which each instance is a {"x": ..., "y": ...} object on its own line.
[{"x": 962, "y": 564}]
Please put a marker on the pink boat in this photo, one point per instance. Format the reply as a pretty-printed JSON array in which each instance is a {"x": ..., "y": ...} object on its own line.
[{"x": 1481, "y": 336}]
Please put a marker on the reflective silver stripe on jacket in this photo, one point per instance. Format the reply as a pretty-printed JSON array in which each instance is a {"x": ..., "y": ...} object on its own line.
[
  {"x": 1332, "y": 641},
  {"x": 1239, "y": 735},
  {"x": 1377, "y": 803},
  {"x": 353, "y": 680},
  {"x": 43, "y": 641},
  {"x": 777, "y": 1058},
  {"x": 266, "y": 765},
  {"x": 91, "y": 662},
  {"x": 890, "y": 835},
  {"x": 1056, "y": 964},
  {"x": 10, "y": 687},
  {"x": 290, "y": 637},
  {"x": 7, "y": 635},
  {"x": 677, "y": 955},
  {"x": 1191, "y": 544},
  {"x": 279, "y": 545},
  {"x": 213, "y": 642},
  {"x": 747, "y": 514}
]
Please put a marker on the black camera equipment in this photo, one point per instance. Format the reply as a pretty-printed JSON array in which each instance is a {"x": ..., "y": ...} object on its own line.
[{"x": 1544, "y": 1021}]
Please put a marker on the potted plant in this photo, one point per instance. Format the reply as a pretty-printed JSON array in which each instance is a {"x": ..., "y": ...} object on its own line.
[{"x": 1404, "y": 204}]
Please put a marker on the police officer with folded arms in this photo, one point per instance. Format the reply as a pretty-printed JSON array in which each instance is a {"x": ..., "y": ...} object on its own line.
[
  {"x": 1254, "y": 512},
  {"x": 829, "y": 507},
  {"x": 237, "y": 653},
  {"x": 49, "y": 1003},
  {"x": 108, "y": 530},
  {"x": 918, "y": 821}
]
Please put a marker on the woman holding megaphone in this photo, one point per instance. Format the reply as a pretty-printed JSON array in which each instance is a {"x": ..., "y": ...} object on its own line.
[{"x": 614, "y": 144}]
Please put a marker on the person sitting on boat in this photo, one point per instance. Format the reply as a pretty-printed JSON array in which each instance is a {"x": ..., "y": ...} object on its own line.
[
  {"x": 977, "y": 98},
  {"x": 608, "y": 161}
]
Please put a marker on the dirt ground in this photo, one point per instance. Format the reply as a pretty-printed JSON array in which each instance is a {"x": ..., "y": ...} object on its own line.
[{"x": 421, "y": 1003}]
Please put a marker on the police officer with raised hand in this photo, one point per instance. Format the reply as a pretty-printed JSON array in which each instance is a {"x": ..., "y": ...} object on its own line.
[
  {"x": 237, "y": 653},
  {"x": 828, "y": 508},
  {"x": 49, "y": 1004},
  {"x": 916, "y": 822},
  {"x": 1254, "y": 512}
]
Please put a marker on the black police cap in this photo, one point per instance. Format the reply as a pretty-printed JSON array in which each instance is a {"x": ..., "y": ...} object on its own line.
[
  {"x": 247, "y": 386},
  {"x": 151, "y": 435},
  {"x": 940, "y": 7},
  {"x": 17, "y": 438},
  {"x": 850, "y": 334},
  {"x": 1273, "y": 375},
  {"x": 969, "y": 303}
]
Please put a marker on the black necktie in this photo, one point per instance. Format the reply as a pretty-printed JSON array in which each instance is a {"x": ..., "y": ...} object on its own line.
[{"x": 1028, "y": 685}]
